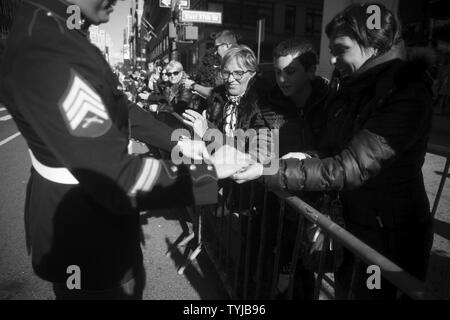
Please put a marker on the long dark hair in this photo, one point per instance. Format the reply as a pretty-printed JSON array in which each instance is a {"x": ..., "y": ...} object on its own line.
[{"x": 352, "y": 22}]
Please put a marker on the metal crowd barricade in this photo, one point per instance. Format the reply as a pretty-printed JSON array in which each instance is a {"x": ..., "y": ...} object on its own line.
[
  {"x": 241, "y": 259},
  {"x": 444, "y": 152}
]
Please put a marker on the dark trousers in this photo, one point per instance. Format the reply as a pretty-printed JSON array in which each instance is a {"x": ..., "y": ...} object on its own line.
[
  {"x": 131, "y": 290},
  {"x": 409, "y": 247}
]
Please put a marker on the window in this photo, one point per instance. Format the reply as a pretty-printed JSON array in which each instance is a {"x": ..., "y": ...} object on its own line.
[
  {"x": 313, "y": 21},
  {"x": 289, "y": 21},
  {"x": 244, "y": 13},
  {"x": 249, "y": 14},
  {"x": 231, "y": 14}
]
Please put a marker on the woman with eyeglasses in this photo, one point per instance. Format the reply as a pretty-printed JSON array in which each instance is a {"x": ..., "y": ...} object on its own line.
[
  {"x": 176, "y": 93},
  {"x": 237, "y": 103},
  {"x": 208, "y": 73},
  {"x": 174, "y": 97},
  {"x": 235, "y": 108}
]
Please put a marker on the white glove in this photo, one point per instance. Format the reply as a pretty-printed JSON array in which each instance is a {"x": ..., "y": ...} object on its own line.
[
  {"x": 228, "y": 160},
  {"x": 296, "y": 155},
  {"x": 194, "y": 149}
]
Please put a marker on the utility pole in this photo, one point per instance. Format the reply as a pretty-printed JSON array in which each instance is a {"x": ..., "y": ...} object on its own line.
[
  {"x": 175, "y": 16},
  {"x": 260, "y": 32}
]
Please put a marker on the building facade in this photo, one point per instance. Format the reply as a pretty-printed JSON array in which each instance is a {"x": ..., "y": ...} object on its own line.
[{"x": 283, "y": 19}]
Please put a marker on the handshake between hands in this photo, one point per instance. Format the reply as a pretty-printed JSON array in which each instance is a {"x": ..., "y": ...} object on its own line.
[{"x": 227, "y": 160}]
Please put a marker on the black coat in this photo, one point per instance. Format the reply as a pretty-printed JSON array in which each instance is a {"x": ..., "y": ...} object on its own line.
[
  {"x": 249, "y": 111},
  {"x": 299, "y": 129}
]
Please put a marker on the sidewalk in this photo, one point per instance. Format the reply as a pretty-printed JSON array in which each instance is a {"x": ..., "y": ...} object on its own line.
[
  {"x": 200, "y": 281},
  {"x": 440, "y": 130}
]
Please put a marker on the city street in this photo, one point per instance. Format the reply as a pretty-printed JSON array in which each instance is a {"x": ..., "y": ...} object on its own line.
[{"x": 161, "y": 229}]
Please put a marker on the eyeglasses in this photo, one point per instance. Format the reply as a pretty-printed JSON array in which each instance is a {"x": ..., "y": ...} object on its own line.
[
  {"x": 237, "y": 75},
  {"x": 175, "y": 73}
]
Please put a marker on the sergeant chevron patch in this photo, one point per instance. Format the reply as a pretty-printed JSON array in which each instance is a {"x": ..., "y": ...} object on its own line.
[{"x": 83, "y": 109}]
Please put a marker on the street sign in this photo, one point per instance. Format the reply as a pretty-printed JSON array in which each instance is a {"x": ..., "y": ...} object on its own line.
[
  {"x": 190, "y": 33},
  {"x": 184, "y": 4},
  {"x": 165, "y": 3},
  {"x": 201, "y": 16}
]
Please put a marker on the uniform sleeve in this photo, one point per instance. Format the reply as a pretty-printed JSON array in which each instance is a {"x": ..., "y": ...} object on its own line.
[
  {"x": 146, "y": 128},
  {"x": 65, "y": 107},
  {"x": 390, "y": 131}
]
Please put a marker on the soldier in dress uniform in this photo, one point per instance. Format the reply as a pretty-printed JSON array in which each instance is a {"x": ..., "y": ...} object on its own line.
[{"x": 85, "y": 191}]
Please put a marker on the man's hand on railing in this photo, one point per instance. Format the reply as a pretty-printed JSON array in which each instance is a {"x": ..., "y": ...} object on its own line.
[
  {"x": 252, "y": 172},
  {"x": 296, "y": 155}
]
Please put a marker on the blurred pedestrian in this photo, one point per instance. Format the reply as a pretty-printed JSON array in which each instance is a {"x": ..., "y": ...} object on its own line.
[{"x": 224, "y": 40}]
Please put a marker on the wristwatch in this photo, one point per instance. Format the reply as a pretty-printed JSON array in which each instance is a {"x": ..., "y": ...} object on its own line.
[{"x": 192, "y": 86}]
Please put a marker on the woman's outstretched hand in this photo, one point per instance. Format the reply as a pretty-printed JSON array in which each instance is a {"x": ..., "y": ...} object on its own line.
[{"x": 196, "y": 121}]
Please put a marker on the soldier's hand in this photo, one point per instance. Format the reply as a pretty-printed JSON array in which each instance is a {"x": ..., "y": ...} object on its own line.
[
  {"x": 194, "y": 149},
  {"x": 227, "y": 161},
  {"x": 251, "y": 173}
]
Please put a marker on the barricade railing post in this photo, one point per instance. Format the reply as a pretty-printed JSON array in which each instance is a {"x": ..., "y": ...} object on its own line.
[
  {"x": 229, "y": 262},
  {"x": 441, "y": 186},
  {"x": 248, "y": 246},
  {"x": 295, "y": 254},
  {"x": 237, "y": 265},
  {"x": 262, "y": 247},
  {"x": 277, "y": 250},
  {"x": 220, "y": 232},
  {"x": 320, "y": 272},
  {"x": 351, "y": 289}
]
